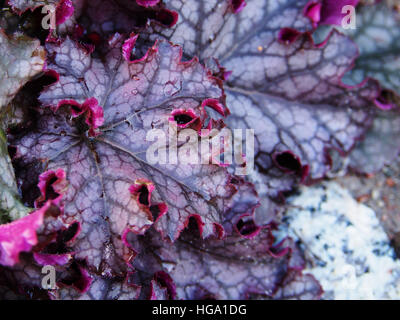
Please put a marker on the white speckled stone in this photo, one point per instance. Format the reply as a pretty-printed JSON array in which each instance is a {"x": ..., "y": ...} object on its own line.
[{"x": 348, "y": 248}]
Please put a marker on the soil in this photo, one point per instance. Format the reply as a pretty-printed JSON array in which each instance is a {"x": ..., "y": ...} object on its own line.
[{"x": 381, "y": 193}]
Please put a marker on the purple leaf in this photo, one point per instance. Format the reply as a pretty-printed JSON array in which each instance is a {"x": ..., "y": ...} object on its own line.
[
  {"x": 233, "y": 268},
  {"x": 282, "y": 85},
  {"x": 322, "y": 12},
  {"x": 87, "y": 286},
  {"x": 26, "y": 227},
  {"x": 113, "y": 188},
  {"x": 31, "y": 230},
  {"x": 378, "y": 35},
  {"x": 297, "y": 286},
  {"x": 381, "y": 144},
  {"x": 50, "y": 241},
  {"x": 215, "y": 30},
  {"x": 45, "y": 259},
  {"x": 95, "y": 21}
]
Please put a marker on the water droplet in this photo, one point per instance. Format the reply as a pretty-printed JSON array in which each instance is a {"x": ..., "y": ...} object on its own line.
[{"x": 134, "y": 92}]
